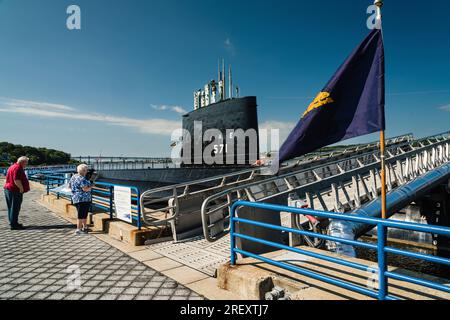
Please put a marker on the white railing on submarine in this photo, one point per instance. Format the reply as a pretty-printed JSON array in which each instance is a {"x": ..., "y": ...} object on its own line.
[
  {"x": 337, "y": 186},
  {"x": 163, "y": 205}
]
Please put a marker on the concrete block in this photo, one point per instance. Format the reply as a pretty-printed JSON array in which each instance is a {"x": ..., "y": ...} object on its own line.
[
  {"x": 99, "y": 220},
  {"x": 248, "y": 283},
  {"x": 120, "y": 230},
  {"x": 130, "y": 234}
]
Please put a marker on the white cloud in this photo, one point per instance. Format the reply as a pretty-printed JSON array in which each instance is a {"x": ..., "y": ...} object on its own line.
[
  {"x": 58, "y": 111},
  {"x": 284, "y": 129},
  {"x": 177, "y": 109},
  {"x": 445, "y": 108},
  {"x": 33, "y": 104}
]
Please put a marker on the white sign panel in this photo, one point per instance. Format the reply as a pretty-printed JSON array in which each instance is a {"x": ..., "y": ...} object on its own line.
[{"x": 122, "y": 202}]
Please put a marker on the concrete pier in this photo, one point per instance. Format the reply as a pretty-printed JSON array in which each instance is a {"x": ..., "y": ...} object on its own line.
[{"x": 47, "y": 261}]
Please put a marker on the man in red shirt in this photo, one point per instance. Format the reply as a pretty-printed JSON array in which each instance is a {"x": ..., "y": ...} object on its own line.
[{"x": 16, "y": 185}]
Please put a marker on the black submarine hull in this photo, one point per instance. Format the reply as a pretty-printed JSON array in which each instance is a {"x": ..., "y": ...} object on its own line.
[{"x": 230, "y": 114}]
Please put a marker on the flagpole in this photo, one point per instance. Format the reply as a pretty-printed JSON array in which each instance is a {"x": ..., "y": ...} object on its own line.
[{"x": 379, "y": 5}]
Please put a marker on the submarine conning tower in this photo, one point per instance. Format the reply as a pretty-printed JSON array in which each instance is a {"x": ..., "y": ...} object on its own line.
[{"x": 230, "y": 115}]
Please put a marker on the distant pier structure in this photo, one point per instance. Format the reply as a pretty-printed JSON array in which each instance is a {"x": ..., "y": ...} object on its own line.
[{"x": 121, "y": 163}]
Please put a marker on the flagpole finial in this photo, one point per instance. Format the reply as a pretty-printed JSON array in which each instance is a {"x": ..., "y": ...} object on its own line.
[{"x": 378, "y": 3}]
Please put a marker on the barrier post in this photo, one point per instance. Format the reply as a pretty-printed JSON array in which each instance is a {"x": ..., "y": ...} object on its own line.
[
  {"x": 111, "y": 216},
  {"x": 232, "y": 237},
  {"x": 138, "y": 193},
  {"x": 48, "y": 185},
  {"x": 382, "y": 279}
]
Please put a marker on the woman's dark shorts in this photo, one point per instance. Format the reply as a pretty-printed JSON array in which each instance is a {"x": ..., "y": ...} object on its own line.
[{"x": 83, "y": 209}]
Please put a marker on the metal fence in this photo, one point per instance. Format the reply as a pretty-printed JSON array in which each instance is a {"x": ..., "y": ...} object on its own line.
[
  {"x": 381, "y": 247},
  {"x": 102, "y": 196}
]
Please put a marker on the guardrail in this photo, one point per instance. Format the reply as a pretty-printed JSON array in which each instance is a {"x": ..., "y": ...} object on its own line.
[
  {"x": 381, "y": 247},
  {"x": 102, "y": 196},
  {"x": 183, "y": 194},
  {"x": 324, "y": 182}
]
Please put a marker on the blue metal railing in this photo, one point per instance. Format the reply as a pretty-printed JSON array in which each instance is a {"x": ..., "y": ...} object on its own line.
[
  {"x": 102, "y": 196},
  {"x": 381, "y": 248}
]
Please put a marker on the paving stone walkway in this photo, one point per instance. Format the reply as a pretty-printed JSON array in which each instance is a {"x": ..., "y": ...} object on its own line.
[{"x": 47, "y": 261}]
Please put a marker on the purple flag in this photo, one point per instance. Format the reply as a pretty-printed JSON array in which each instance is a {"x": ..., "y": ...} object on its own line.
[{"x": 350, "y": 105}]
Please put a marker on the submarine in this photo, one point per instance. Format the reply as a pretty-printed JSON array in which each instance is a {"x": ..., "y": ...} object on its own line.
[{"x": 215, "y": 111}]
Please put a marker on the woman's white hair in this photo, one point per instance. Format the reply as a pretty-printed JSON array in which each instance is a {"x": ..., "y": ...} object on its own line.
[
  {"x": 23, "y": 159},
  {"x": 81, "y": 168}
]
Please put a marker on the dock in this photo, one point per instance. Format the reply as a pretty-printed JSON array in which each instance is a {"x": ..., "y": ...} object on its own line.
[
  {"x": 38, "y": 263},
  {"x": 113, "y": 267}
]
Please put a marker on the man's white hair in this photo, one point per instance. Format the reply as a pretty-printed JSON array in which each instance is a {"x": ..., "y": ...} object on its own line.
[
  {"x": 23, "y": 159},
  {"x": 81, "y": 168}
]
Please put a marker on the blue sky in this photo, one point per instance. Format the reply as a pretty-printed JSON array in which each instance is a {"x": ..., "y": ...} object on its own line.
[{"x": 118, "y": 86}]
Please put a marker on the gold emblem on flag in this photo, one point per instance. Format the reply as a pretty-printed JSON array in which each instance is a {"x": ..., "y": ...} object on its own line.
[{"x": 322, "y": 99}]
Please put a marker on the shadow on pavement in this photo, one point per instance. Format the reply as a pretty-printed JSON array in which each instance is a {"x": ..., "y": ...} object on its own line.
[{"x": 55, "y": 227}]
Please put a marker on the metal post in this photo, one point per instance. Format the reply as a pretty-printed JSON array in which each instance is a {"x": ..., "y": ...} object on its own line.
[
  {"x": 139, "y": 224},
  {"x": 111, "y": 203},
  {"x": 382, "y": 279},
  {"x": 232, "y": 237},
  {"x": 383, "y": 174}
]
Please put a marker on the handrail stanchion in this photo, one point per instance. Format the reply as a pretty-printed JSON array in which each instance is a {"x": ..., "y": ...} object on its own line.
[
  {"x": 382, "y": 279},
  {"x": 111, "y": 215},
  {"x": 139, "y": 222},
  {"x": 48, "y": 185},
  {"x": 232, "y": 237}
]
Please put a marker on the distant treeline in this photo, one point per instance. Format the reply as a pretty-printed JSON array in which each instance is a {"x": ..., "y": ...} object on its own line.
[{"x": 38, "y": 156}]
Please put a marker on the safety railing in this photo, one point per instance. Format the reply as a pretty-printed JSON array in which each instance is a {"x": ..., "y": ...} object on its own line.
[
  {"x": 327, "y": 182},
  {"x": 381, "y": 247},
  {"x": 52, "y": 182},
  {"x": 102, "y": 196},
  {"x": 156, "y": 214}
]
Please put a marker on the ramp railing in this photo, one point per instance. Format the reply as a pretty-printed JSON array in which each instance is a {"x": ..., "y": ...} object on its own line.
[
  {"x": 163, "y": 205},
  {"x": 381, "y": 291},
  {"x": 339, "y": 186}
]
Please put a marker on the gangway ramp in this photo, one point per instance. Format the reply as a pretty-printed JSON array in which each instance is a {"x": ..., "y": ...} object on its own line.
[
  {"x": 179, "y": 205},
  {"x": 196, "y": 253}
]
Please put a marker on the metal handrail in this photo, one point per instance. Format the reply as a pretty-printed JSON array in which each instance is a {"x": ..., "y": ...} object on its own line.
[
  {"x": 389, "y": 160},
  {"x": 381, "y": 247},
  {"x": 185, "y": 192},
  {"x": 135, "y": 196},
  {"x": 106, "y": 199}
]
